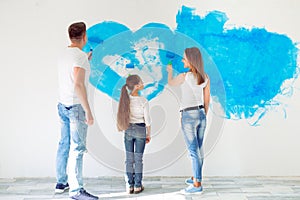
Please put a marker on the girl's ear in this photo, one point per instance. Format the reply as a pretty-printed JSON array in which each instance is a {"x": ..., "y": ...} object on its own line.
[{"x": 135, "y": 87}]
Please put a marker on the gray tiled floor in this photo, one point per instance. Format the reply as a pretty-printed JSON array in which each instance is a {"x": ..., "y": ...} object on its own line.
[{"x": 215, "y": 188}]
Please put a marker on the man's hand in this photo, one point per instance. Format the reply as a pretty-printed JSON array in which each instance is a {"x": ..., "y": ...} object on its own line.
[
  {"x": 89, "y": 54},
  {"x": 89, "y": 119}
]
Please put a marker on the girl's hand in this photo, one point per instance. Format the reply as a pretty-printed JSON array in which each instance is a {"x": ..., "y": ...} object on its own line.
[{"x": 148, "y": 138}]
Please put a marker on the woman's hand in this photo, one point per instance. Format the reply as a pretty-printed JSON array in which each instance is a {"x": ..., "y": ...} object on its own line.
[{"x": 169, "y": 68}]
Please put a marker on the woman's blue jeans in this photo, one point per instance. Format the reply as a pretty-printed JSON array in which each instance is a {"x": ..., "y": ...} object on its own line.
[
  {"x": 193, "y": 123},
  {"x": 135, "y": 140}
]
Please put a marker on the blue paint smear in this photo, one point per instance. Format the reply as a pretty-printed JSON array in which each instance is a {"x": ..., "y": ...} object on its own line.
[
  {"x": 121, "y": 43},
  {"x": 253, "y": 63},
  {"x": 247, "y": 68},
  {"x": 102, "y": 31}
]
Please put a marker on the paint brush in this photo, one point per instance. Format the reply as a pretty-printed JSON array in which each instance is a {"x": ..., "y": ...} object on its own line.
[
  {"x": 170, "y": 55},
  {"x": 90, "y": 54},
  {"x": 129, "y": 66}
]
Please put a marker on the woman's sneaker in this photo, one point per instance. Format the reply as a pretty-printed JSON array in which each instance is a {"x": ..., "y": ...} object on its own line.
[
  {"x": 61, "y": 188},
  {"x": 189, "y": 181},
  {"x": 192, "y": 190}
]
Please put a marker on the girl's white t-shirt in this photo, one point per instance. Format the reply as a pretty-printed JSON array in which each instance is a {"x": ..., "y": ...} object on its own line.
[{"x": 139, "y": 110}]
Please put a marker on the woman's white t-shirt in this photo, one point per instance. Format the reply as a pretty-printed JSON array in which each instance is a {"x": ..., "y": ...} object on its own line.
[{"x": 191, "y": 92}]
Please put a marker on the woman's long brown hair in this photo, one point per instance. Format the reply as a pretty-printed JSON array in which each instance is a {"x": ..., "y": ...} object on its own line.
[
  {"x": 193, "y": 55},
  {"x": 124, "y": 103}
]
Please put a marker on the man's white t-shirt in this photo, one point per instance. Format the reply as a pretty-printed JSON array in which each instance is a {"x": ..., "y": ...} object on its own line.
[{"x": 71, "y": 57}]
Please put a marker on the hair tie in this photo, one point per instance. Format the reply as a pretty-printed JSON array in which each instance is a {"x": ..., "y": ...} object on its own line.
[{"x": 128, "y": 91}]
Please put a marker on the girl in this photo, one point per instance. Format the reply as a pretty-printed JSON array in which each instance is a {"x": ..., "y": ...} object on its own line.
[
  {"x": 195, "y": 87},
  {"x": 133, "y": 118}
]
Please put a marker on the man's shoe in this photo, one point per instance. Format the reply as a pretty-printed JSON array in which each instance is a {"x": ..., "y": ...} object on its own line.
[
  {"x": 84, "y": 195},
  {"x": 192, "y": 190},
  {"x": 61, "y": 188}
]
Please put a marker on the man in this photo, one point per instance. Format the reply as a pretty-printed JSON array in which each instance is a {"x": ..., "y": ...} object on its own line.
[{"x": 75, "y": 114}]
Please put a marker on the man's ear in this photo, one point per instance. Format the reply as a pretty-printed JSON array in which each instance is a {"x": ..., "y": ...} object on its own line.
[{"x": 84, "y": 37}]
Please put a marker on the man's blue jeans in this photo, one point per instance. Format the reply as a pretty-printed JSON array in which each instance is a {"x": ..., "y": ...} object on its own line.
[
  {"x": 135, "y": 140},
  {"x": 193, "y": 123},
  {"x": 72, "y": 145}
]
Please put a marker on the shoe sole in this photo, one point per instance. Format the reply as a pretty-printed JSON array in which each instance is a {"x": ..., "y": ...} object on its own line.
[
  {"x": 187, "y": 193},
  {"x": 130, "y": 191},
  {"x": 60, "y": 191},
  {"x": 84, "y": 196}
]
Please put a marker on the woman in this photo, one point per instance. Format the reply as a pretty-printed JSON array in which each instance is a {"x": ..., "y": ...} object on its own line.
[
  {"x": 195, "y": 87},
  {"x": 133, "y": 118}
]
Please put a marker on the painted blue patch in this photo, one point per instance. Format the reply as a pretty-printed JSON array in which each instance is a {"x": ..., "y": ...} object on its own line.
[
  {"x": 253, "y": 63},
  {"x": 102, "y": 31},
  {"x": 147, "y": 50},
  {"x": 249, "y": 66}
]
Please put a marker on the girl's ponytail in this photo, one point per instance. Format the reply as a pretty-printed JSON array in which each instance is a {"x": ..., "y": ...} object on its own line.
[{"x": 123, "y": 110}]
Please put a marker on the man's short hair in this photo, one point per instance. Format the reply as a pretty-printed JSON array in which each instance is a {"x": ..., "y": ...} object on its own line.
[{"x": 77, "y": 30}]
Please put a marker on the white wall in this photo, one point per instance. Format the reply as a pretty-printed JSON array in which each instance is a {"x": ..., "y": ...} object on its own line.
[{"x": 34, "y": 31}]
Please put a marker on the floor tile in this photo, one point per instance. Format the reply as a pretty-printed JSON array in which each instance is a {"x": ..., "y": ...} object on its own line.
[{"x": 165, "y": 188}]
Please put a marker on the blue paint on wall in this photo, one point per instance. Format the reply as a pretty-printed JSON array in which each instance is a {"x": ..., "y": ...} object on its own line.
[
  {"x": 250, "y": 66},
  {"x": 253, "y": 63}
]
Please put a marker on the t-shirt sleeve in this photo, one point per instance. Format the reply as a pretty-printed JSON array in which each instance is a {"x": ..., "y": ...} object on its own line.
[
  {"x": 206, "y": 80},
  {"x": 82, "y": 61},
  {"x": 147, "y": 113}
]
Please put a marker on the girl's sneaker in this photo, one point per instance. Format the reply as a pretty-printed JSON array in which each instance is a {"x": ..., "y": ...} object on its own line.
[
  {"x": 192, "y": 190},
  {"x": 130, "y": 190},
  {"x": 138, "y": 189}
]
